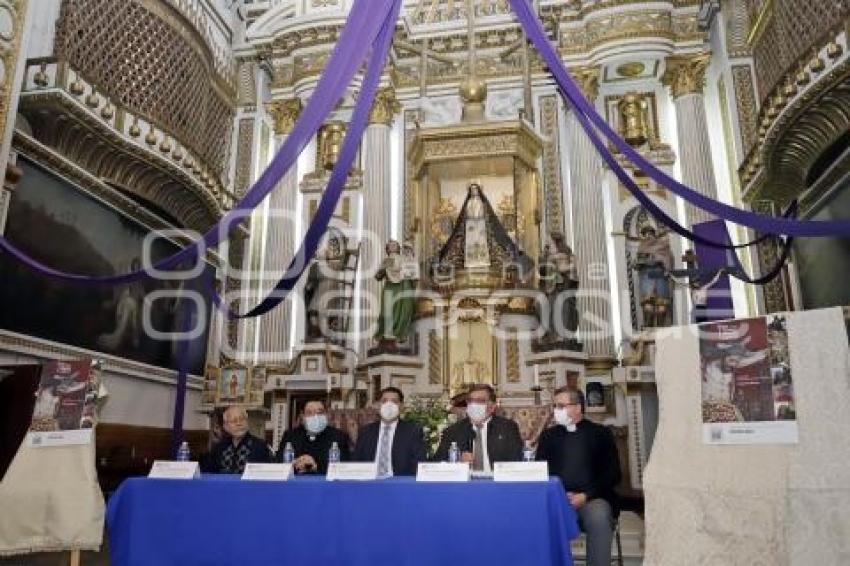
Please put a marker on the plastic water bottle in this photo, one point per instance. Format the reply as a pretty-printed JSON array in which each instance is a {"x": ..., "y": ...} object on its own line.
[
  {"x": 453, "y": 453},
  {"x": 527, "y": 452},
  {"x": 288, "y": 453},
  {"x": 333, "y": 453},
  {"x": 183, "y": 453}
]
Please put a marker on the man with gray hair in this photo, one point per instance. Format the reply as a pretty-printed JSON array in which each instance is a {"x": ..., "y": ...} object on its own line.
[
  {"x": 238, "y": 447},
  {"x": 583, "y": 455}
]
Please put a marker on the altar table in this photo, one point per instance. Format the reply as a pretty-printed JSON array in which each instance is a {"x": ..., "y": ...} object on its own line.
[{"x": 308, "y": 521}]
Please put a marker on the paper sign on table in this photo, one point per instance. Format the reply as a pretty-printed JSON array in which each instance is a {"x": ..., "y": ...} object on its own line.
[
  {"x": 521, "y": 471},
  {"x": 267, "y": 472},
  {"x": 177, "y": 470},
  {"x": 352, "y": 471},
  {"x": 443, "y": 471}
]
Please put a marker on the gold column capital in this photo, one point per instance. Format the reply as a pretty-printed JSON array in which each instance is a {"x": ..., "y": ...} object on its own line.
[
  {"x": 385, "y": 107},
  {"x": 588, "y": 80},
  {"x": 685, "y": 74},
  {"x": 284, "y": 113}
]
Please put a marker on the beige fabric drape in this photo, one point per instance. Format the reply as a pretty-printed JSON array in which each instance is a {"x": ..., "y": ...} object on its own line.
[
  {"x": 51, "y": 501},
  {"x": 776, "y": 505}
]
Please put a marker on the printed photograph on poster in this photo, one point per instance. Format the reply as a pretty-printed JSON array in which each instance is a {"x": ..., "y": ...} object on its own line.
[
  {"x": 65, "y": 404},
  {"x": 747, "y": 387}
]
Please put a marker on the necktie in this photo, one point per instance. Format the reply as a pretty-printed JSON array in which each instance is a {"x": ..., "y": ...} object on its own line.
[
  {"x": 384, "y": 451},
  {"x": 477, "y": 450}
]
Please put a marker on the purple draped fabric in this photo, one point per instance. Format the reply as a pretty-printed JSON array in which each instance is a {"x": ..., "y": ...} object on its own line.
[
  {"x": 763, "y": 224},
  {"x": 365, "y": 21},
  {"x": 336, "y": 184},
  {"x": 719, "y": 305}
]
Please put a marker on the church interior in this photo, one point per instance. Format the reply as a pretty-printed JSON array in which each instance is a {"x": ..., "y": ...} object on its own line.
[{"x": 462, "y": 229}]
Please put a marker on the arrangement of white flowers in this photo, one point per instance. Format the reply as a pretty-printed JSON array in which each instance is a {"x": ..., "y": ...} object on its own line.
[{"x": 433, "y": 415}]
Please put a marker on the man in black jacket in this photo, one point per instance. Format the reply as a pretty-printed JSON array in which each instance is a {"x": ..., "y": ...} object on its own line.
[
  {"x": 238, "y": 447},
  {"x": 312, "y": 440},
  {"x": 583, "y": 454},
  {"x": 482, "y": 437},
  {"x": 395, "y": 444}
]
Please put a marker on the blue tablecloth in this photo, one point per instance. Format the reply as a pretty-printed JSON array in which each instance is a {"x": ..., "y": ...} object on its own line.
[{"x": 311, "y": 522}]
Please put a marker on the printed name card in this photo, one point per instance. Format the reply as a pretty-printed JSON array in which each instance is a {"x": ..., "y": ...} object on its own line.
[
  {"x": 170, "y": 469},
  {"x": 520, "y": 471},
  {"x": 357, "y": 471},
  {"x": 267, "y": 472},
  {"x": 60, "y": 438},
  {"x": 443, "y": 471}
]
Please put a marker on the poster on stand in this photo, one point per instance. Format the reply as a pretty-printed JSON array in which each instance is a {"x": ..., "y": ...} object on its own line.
[
  {"x": 747, "y": 387},
  {"x": 65, "y": 404}
]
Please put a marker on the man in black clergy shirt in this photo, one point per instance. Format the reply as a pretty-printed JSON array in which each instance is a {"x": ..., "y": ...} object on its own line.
[
  {"x": 482, "y": 437},
  {"x": 312, "y": 440},
  {"x": 583, "y": 454},
  {"x": 238, "y": 447},
  {"x": 395, "y": 444}
]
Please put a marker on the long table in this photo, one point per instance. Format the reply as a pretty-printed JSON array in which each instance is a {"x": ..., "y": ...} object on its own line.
[{"x": 217, "y": 520}]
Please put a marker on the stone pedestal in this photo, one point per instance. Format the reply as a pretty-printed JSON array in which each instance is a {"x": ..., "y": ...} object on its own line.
[
  {"x": 556, "y": 368},
  {"x": 384, "y": 370}
]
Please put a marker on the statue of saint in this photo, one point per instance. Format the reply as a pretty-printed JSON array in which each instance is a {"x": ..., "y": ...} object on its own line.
[
  {"x": 324, "y": 291},
  {"x": 400, "y": 274},
  {"x": 559, "y": 282},
  {"x": 477, "y": 251},
  {"x": 653, "y": 264}
]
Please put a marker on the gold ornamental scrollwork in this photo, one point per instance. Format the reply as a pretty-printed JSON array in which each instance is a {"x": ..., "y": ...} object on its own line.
[
  {"x": 587, "y": 79},
  {"x": 385, "y": 107},
  {"x": 442, "y": 222},
  {"x": 284, "y": 113},
  {"x": 685, "y": 74}
]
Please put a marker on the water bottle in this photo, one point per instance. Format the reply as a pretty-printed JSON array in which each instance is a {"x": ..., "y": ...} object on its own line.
[
  {"x": 333, "y": 453},
  {"x": 527, "y": 452},
  {"x": 453, "y": 453},
  {"x": 288, "y": 453},
  {"x": 183, "y": 453}
]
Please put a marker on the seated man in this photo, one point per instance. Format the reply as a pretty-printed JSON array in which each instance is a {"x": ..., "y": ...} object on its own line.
[
  {"x": 583, "y": 454},
  {"x": 312, "y": 440},
  {"x": 395, "y": 444},
  {"x": 482, "y": 437},
  {"x": 238, "y": 447}
]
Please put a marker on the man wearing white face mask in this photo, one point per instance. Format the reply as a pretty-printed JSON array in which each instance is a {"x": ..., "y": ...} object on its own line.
[
  {"x": 396, "y": 445},
  {"x": 583, "y": 454},
  {"x": 482, "y": 437},
  {"x": 312, "y": 440}
]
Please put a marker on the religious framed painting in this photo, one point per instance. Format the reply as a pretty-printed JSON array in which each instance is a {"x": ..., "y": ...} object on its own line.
[
  {"x": 212, "y": 374},
  {"x": 233, "y": 384},
  {"x": 256, "y": 391}
]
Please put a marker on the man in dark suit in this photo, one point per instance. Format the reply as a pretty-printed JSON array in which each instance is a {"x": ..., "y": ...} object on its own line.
[
  {"x": 395, "y": 444},
  {"x": 482, "y": 437},
  {"x": 312, "y": 440},
  {"x": 583, "y": 454},
  {"x": 238, "y": 447}
]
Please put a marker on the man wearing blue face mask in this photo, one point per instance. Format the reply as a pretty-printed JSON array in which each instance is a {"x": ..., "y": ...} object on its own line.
[
  {"x": 312, "y": 440},
  {"x": 482, "y": 437},
  {"x": 395, "y": 444},
  {"x": 583, "y": 454}
]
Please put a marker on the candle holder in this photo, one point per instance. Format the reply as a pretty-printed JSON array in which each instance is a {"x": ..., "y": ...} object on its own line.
[{"x": 537, "y": 389}]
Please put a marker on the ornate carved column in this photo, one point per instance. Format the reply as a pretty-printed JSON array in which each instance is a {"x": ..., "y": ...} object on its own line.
[
  {"x": 589, "y": 228},
  {"x": 685, "y": 76},
  {"x": 280, "y": 239},
  {"x": 12, "y": 62},
  {"x": 376, "y": 207}
]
